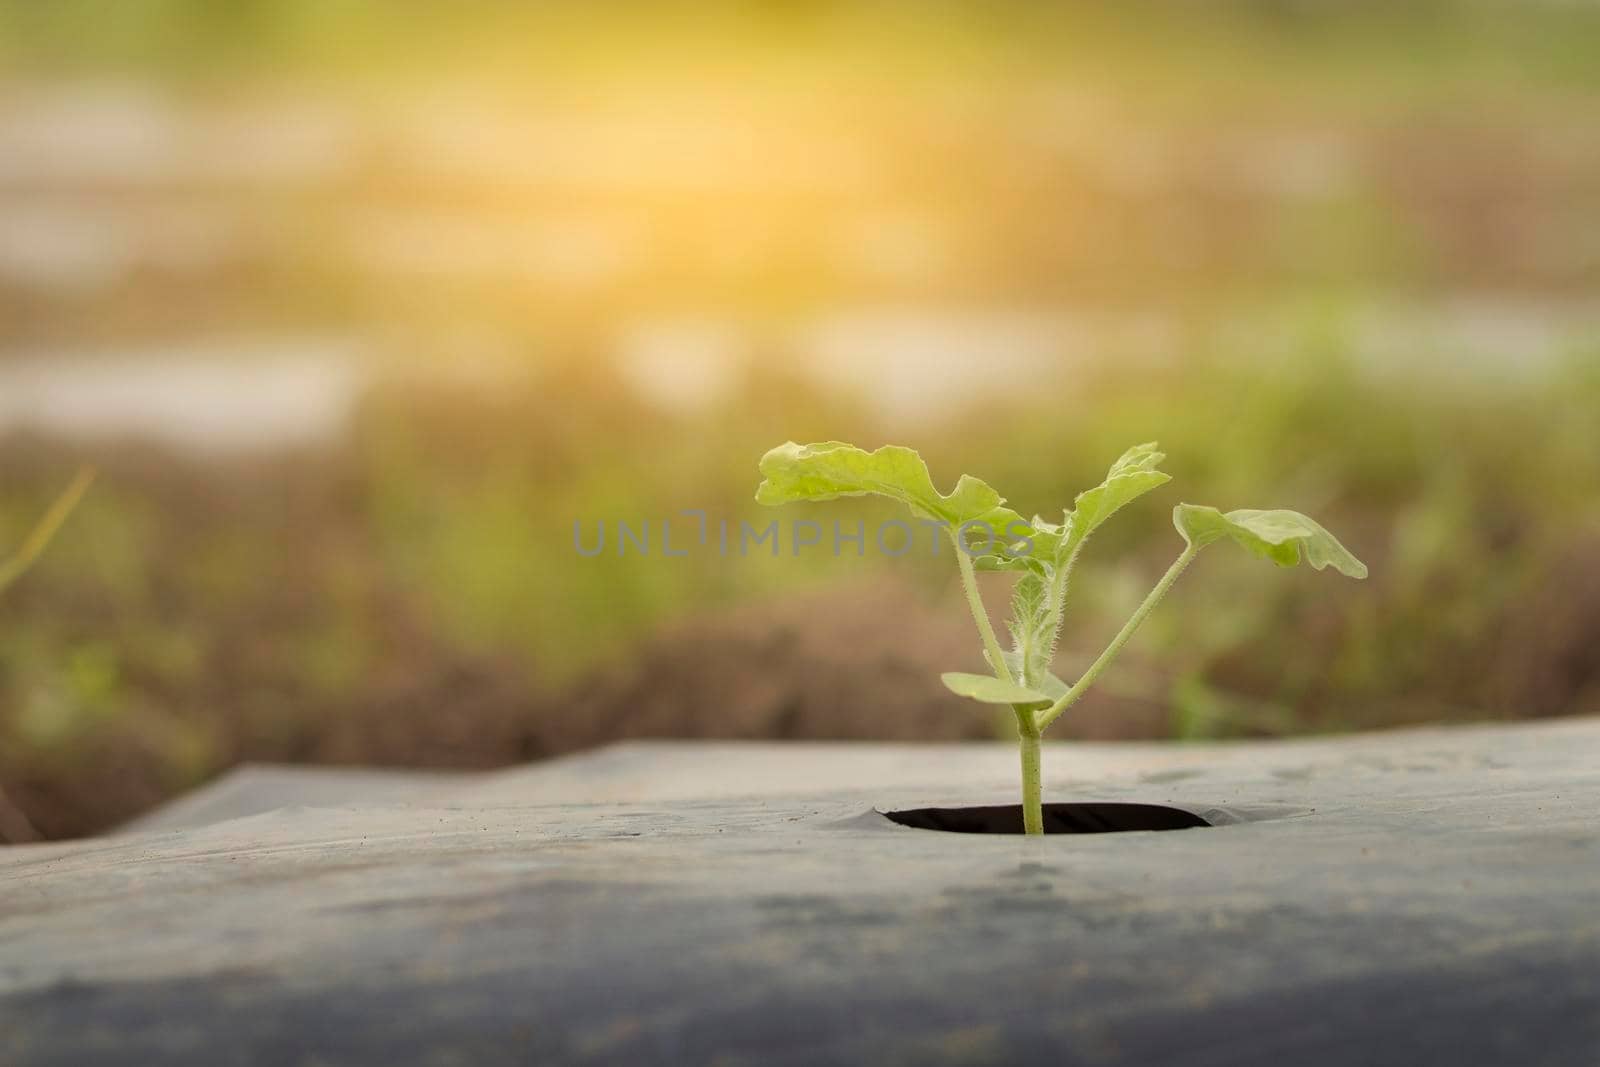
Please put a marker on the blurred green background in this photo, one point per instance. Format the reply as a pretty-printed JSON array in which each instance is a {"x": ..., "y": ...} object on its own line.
[{"x": 358, "y": 307}]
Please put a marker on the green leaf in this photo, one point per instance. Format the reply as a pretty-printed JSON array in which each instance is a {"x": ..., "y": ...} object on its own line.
[
  {"x": 1281, "y": 536},
  {"x": 1051, "y": 686},
  {"x": 1130, "y": 477},
  {"x": 828, "y": 470},
  {"x": 1044, "y": 681},
  {"x": 1019, "y": 557},
  {"x": 990, "y": 690}
]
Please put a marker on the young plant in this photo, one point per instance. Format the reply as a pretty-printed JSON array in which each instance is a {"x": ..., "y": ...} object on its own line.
[{"x": 1043, "y": 555}]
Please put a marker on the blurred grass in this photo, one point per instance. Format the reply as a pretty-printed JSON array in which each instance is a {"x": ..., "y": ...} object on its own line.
[
  {"x": 411, "y": 594},
  {"x": 428, "y": 570}
]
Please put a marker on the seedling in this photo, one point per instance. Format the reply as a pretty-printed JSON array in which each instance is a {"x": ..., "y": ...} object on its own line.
[{"x": 1043, "y": 555}]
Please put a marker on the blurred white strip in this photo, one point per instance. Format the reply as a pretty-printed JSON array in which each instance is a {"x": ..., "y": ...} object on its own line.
[
  {"x": 110, "y": 133},
  {"x": 913, "y": 363},
  {"x": 64, "y": 244},
  {"x": 685, "y": 366},
  {"x": 230, "y": 397}
]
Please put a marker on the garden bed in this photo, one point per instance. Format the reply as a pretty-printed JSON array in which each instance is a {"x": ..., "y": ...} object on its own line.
[{"x": 1415, "y": 897}]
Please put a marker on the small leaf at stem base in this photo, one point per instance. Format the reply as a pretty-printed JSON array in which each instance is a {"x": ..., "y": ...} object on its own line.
[{"x": 988, "y": 690}]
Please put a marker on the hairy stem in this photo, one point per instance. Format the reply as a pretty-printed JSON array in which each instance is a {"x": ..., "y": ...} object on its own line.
[
  {"x": 1058, "y": 583},
  {"x": 969, "y": 582},
  {"x": 1032, "y": 782},
  {"x": 1070, "y": 697}
]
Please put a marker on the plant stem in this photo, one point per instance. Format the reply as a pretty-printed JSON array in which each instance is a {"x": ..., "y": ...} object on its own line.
[
  {"x": 1032, "y": 782},
  {"x": 1058, "y": 584},
  {"x": 1027, "y": 728},
  {"x": 1070, "y": 697},
  {"x": 969, "y": 582}
]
